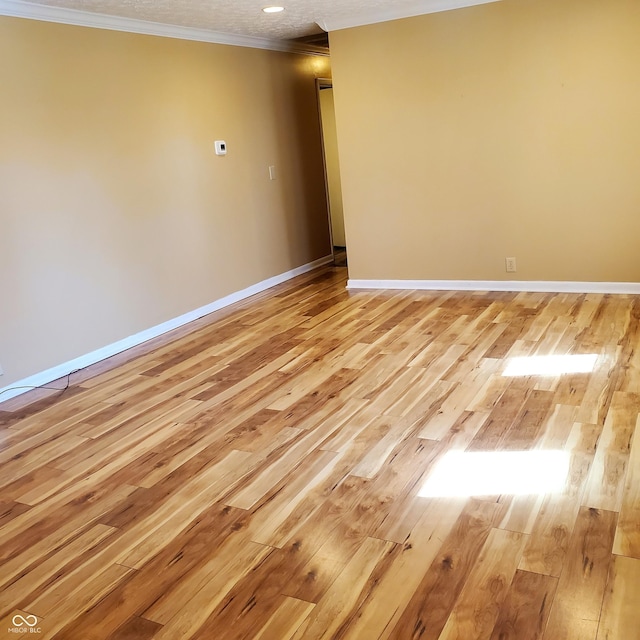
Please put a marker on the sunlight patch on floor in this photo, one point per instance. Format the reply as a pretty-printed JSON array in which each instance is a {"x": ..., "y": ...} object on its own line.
[
  {"x": 551, "y": 365},
  {"x": 487, "y": 473}
]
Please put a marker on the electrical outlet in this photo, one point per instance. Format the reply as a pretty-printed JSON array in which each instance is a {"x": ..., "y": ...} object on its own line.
[
  {"x": 510, "y": 265},
  {"x": 272, "y": 172}
]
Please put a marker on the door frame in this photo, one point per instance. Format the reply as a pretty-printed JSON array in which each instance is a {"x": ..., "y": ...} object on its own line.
[{"x": 325, "y": 83}]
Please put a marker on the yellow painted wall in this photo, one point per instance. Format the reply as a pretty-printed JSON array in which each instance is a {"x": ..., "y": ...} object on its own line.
[
  {"x": 332, "y": 163},
  {"x": 508, "y": 129},
  {"x": 115, "y": 213}
]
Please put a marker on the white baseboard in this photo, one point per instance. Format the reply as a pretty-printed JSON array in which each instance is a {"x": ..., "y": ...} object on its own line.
[
  {"x": 542, "y": 286},
  {"x": 45, "y": 377}
]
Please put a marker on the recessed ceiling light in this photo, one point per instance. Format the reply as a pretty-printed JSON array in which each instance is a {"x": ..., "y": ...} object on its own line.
[{"x": 273, "y": 9}]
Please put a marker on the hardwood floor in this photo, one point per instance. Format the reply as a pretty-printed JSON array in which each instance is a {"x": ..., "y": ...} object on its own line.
[{"x": 274, "y": 474}]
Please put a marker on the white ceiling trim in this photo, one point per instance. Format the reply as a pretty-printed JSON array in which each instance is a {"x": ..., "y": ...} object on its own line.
[
  {"x": 418, "y": 8},
  {"x": 33, "y": 11}
]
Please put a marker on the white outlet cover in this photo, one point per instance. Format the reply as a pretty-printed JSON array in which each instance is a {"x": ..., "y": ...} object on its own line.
[{"x": 221, "y": 148}]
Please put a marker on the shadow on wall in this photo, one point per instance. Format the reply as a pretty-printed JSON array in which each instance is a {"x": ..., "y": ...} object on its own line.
[{"x": 301, "y": 161}]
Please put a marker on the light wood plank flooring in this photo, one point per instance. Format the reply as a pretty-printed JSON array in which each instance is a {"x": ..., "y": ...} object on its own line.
[{"x": 276, "y": 472}]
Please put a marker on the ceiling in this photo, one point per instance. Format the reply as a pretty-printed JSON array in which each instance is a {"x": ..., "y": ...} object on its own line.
[{"x": 239, "y": 17}]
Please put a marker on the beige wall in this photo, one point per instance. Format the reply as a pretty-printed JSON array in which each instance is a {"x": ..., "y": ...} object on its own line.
[
  {"x": 115, "y": 213},
  {"x": 332, "y": 163},
  {"x": 508, "y": 129}
]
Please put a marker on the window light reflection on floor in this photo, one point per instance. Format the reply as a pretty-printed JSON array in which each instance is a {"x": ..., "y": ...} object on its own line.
[
  {"x": 551, "y": 365},
  {"x": 488, "y": 473}
]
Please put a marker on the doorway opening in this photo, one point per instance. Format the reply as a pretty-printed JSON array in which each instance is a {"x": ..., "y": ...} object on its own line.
[{"x": 332, "y": 171}]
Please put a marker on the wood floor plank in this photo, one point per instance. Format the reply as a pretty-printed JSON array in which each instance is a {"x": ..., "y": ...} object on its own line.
[
  {"x": 417, "y": 455},
  {"x": 522, "y": 513},
  {"x": 29, "y": 544},
  {"x": 557, "y": 428},
  {"x": 392, "y": 586},
  {"x": 373, "y": 461},
  {"x": 141, "y": 588},
  {"x": 525, "y": 611},
  {"x": 606, "y": 479},
  {"x": 255, "y": 598},
  {"x": 575, "y": 611},
  {"x": 175, "y": 514},
  {"x": 268, "y": 523},
  {"x": 339, "y": 604},
  {"x": 19, "y": 590},
  {"x": 433, "y": 600},
  {"x": 477, "y": 609},
  {"x": 547, "y": 547},
  {"x": 627, "y": 540},
  {"x": 330, "y": 542},
  {"x": 524, "y": 432},
  {"x": 10, "y": 509},
  {"x": 183, "y": 609},
  {"x": 504, "y": 414},
  {"x": 452, "y": 409},
  {"x": 362, "y": 517},
  {"x": 61, "y": 605},
  {"x": 489, "y": 394},
  {"x": 136, "y": 628},
  {"x": 422, "y": 388},
  {"x": 620, "y": 612},
  {"x": 463, "y": 430},
  {"x": 286, "y": 620},
  {"x": 37, "y": 458},
  {"x": 259, "y": 473},
  {"x": 30, "y": 488},
  {"x": 17, "y": 440},
  {"x": 270, "y": 475}
]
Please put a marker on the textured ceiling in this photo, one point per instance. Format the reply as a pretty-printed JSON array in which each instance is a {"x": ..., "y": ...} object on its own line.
[{"x": 245, "y": 17}]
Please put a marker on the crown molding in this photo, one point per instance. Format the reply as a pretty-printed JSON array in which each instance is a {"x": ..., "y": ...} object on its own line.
[
  {"x": 34, "y": 11},
  {"x": 406, "y": 10}
]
